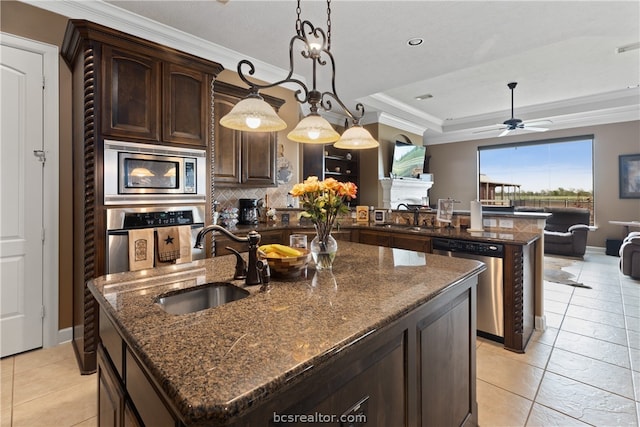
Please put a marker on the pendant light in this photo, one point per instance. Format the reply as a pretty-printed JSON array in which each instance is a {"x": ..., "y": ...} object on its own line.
[
  {"x": 254, "y": 115},
  {"x": 356, "y": 138},
  {"x": 314, "y": 129}
]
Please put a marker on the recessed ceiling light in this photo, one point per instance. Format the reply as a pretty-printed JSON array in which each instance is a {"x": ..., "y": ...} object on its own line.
[
  {"x": 416, "y": 41},
  {"x": 423, "y": 97}
]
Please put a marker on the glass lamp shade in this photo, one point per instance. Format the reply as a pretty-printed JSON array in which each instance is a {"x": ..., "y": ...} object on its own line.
[
  {"x": 356, "y": 138},
  {"x": 253, "y": 115},
  {"x": 141, "y": 172},
  {"x": 313, "y": 129}
]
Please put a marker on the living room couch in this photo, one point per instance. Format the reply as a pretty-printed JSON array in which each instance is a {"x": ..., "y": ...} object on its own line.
[
  {"x": 630, "y": 255},
  {"x": 566, "y": 231}
]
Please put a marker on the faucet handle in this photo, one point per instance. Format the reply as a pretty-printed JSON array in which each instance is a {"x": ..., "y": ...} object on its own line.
[
  {"x": 241, "y": 265},
  {"x": 264, "y": 274}
]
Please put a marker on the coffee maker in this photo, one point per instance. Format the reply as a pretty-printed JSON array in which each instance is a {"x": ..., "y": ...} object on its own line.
[{"x": 249, "y": 213}]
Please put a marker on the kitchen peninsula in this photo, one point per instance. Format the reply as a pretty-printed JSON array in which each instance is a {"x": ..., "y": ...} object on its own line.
[{"x": 390, "y": 335}]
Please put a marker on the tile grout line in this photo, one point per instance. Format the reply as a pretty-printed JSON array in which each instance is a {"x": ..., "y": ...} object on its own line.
[{"x": 546, "y": 364}]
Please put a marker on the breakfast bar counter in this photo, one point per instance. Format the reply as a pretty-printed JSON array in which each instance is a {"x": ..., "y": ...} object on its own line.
[{"x": 316, "y": 343}]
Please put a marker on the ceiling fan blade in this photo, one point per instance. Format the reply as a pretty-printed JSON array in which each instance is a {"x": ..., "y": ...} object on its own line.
[
  {"x": 535, "y": 129},
  {"x": 490, "y": 130},
  {"x": 538, "y": 122},
  {"x": 505, "y": 132}
]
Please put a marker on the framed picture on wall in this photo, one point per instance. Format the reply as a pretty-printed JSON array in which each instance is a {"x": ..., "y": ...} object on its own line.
[{"x": 629, "y": 169}]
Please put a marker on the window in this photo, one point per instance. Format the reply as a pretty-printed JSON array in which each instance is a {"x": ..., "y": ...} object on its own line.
[{"x": 538, "y": 174}]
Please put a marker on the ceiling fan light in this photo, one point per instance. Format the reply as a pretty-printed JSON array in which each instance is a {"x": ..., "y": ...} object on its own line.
[
  {"x": 313, "y": 129},
  {"x": 356, "y": 138},
  {"x": 253, "y": 114}
]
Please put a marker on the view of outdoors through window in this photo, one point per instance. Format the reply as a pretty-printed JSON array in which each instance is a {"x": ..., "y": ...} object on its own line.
[{"x": 553, "y": 173}]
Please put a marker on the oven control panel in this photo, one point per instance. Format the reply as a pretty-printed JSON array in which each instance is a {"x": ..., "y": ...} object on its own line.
[{"x": 157, "y": 219}]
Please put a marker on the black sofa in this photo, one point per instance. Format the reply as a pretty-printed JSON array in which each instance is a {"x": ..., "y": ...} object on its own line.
[{"x": 566, "y": 231}]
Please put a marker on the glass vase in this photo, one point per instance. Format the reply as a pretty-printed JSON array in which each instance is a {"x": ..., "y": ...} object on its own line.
[{"x": 323, "y": 251}]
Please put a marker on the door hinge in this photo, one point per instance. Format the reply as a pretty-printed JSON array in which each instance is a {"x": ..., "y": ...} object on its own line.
[
  {"x": 43, "y": 83},
  {"x": 42, "y": 311},
  {"x": 42, "y": 235},
  {"x": 40, "y": 155}
]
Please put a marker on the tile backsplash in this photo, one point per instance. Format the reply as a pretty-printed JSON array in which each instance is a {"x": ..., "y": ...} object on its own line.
[{"x": 276, "y": 196}]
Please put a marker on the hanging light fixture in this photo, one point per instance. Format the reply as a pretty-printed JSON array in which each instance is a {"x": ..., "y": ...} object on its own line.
[{"x": 253, "y": 114}]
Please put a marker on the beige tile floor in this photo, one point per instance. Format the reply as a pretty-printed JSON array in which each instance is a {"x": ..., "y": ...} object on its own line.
[{"x": 583, "y": 370}]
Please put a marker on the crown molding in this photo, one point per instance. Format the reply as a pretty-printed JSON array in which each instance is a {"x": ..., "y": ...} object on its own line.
[
  {"x": 402, "y": 124},
  {"x": 119, "y": 19}
]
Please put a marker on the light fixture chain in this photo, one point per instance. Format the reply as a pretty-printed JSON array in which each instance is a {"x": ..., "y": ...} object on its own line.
[
  {"x": 329, "y": 25},
  {"x": 298, "y": 20}
]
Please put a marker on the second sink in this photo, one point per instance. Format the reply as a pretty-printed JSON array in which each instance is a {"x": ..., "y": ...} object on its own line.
[{"x": 201, "y": 297}]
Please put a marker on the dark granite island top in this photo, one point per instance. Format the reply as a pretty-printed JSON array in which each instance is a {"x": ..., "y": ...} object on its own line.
[{"x": 215, "y": 365}]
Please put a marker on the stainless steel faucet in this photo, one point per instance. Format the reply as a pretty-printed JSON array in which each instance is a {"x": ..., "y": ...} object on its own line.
[
  {"x": 254, "y": 273},
  {"x": 416, "y": 214}
]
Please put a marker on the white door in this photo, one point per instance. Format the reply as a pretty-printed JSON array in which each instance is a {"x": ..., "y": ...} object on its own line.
[{"x": 21, "y": 201}]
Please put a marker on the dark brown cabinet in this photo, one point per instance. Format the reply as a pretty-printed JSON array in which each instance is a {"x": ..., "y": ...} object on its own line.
[
  {"x": 124, "y": 88},
  {"x": 412, "y": 243},
  {"x": 242, "y": 159},
  {"x": 131, "y": 94},
  {"x": 184, "y": 105},
  {"x": 142, "y": 92},
  {"x": 372, "y": 237},
  {"x": 110, "y": 394}
]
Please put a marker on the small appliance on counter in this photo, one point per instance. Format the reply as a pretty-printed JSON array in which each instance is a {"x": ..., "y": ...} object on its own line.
[{"x": 249, "y": 213}]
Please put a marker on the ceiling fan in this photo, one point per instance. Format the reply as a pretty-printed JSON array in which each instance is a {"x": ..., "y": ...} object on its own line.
[{"x": 513, "y": 123}]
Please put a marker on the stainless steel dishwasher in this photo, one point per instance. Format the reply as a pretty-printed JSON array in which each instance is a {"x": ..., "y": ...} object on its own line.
[{"x": 490, "y": 308}]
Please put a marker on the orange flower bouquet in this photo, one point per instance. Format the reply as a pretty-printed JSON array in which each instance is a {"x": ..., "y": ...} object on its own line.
[{"x": 322, "y": 202}]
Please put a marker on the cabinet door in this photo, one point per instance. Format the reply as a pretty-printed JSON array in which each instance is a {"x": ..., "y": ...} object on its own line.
[
  {"x": 259, "y": 159},
  {"x": 131, "y": 93},
  {"x": 412, "y": 243},
  {"x": 376, "y": 238},
  {"x": 447, "y": 371},
  {"x": 110, "y": 394},
  {"x": 227, "y": 145},
  {"x": 184, "y": 105}
]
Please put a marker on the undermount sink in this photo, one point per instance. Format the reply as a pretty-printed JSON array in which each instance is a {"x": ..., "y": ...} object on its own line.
[{"x": 201, "y": 297}]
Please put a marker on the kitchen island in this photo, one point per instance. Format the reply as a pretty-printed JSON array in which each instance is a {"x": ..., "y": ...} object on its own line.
[{"x": 388, "y": 335}]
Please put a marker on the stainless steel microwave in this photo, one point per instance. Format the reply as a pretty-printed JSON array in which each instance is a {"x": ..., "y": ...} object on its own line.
[{"x": 137, "y": 173}]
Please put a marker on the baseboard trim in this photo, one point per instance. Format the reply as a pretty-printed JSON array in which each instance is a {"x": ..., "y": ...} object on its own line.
[{"x": 65, "y": 335}]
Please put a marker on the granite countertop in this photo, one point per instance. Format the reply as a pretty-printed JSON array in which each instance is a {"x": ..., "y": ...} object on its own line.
[
  {"x": 216, "y": 363},
  {"x": 489, "y": 235}
]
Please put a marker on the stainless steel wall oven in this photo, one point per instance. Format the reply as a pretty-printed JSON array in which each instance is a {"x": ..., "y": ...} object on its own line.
[{"x": 121, "y": 220}]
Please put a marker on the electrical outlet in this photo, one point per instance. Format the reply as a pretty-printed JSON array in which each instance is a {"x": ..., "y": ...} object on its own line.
[
  {"x": 489, "y": 222},
  {"x": 506, "y": 223}
]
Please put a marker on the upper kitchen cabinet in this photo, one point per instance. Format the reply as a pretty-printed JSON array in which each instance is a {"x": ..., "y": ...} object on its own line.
[
  {"x": 131, "y": 94},
  {"x": 149, "y": 92},
  {"x": 142, "y": 92},
  {"x": 184, "y": 105},
  {"x": 242, "y": 159}
]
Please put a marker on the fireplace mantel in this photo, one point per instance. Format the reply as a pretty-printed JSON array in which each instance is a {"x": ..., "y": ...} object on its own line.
[{"x": 404, "y": 190}]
